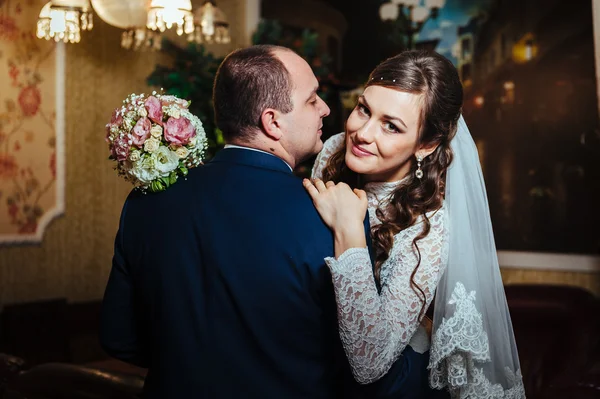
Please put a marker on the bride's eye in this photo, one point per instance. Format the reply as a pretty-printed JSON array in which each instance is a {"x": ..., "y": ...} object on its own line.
[
  {"x": 390, "y": 127},
  {"x": 362, "y": 109}
]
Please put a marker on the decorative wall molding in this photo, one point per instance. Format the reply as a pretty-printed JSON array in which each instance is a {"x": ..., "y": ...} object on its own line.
[{"x": 32, "y": 131}]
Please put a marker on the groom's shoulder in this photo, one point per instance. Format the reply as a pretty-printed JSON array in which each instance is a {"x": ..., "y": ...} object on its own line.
[{"x": 291, "y": 193}]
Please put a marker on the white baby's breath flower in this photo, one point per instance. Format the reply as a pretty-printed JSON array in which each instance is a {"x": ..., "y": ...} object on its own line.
[
  {"x": 166, "y": 160},
  {"x": 182, "y": 152},
  {"x": 128, "y": 123},
  {"x": 142, "y": 112},
  {"x": 134, "y": 155},
  {"x": 156, "y": 131},
  {"x": 151, "y": 145}
]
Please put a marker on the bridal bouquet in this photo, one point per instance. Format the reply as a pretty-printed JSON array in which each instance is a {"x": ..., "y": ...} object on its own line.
[{"x": 155, "y": 140}]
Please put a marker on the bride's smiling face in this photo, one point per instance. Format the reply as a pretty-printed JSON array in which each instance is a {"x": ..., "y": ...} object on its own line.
[{"x": 382, "y": 133}]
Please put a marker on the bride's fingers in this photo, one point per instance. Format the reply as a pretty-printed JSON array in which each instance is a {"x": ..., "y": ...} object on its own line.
[
  {"x": 329, "y": 184},
  {"x": 360, "y": 194},
  {"x": 312, "y": 190},
  {"x": 318, "y": 183}
]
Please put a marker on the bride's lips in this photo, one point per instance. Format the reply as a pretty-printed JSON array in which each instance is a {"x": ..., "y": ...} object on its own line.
[{"x": 360, "y": 152}]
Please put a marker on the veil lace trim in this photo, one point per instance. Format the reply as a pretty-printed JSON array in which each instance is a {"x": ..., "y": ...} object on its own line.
[{"x": 459, "y": 347}]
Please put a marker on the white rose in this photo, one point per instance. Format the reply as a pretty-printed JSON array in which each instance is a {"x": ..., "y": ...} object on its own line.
[
  {"x": 166, "y": 160},
  {"x": 182, "y": 152},
  {"x": 151, "y": 145},
  {"x": 134, "y": 156},
  {"x": 175, "y": 113},
  {"x": 145, "y": 170},
  {"x": 156, "y": 131},
  {"x": 193, "y": 142},
  {"x": 142, "y": 112}
]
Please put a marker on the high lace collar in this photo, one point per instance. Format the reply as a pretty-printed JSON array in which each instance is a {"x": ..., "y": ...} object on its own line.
[{"x": 382, "y": 189}]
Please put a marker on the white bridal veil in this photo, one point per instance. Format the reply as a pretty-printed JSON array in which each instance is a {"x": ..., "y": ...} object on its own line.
[{"x": 473, "y": 349}]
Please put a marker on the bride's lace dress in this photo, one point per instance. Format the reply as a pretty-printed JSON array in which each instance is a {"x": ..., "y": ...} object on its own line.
[{"x": 375, "y": 327}]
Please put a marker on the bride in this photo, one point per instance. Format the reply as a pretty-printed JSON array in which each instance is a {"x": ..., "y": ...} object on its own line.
[{"x": 408, "y": 158}]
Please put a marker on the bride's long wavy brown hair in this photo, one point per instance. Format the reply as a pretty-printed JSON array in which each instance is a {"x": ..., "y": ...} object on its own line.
[{"x": 436, "y": 80}]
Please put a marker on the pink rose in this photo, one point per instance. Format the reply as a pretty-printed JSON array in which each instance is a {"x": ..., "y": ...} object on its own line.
[
  {"x": 106, "y": 138},
  {"x": 29, "y": 227},
  {"x": 168, "y": 100},
  {"x": 116, "y": 118},
  {"x": 8, "y": 167},
  {"x": 141, "y": 131},
  {"x": 154, "y": 109},
  {"x": 30, "y": 100},
  {"x": 179, "y": 131},
  {"x": 9, "y": 30},
  {"x": 120, "y": 148}
]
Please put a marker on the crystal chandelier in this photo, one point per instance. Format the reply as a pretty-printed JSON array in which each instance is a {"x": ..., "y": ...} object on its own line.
[
  {"x": 210, "y": 25},
  {"x": 141, "y": 39},
  {"x": 164, "y": 14},
  {"x": 131, "y": 16},
  {"x": 64, "y": 20}
]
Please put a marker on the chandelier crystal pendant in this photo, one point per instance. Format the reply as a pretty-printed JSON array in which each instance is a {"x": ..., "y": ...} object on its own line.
[
  {"x": 211, "y": 25},
  {"x": 164, "y": 14},
  {"x": 64, "y": 20},
  {"x": 141, "y": 39}
]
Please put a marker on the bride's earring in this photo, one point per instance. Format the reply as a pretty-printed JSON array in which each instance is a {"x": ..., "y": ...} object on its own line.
[{"x": 419, "y": 172}]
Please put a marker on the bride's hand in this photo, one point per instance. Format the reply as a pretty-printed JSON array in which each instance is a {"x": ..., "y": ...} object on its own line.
[{"x": 340, "y": 207}]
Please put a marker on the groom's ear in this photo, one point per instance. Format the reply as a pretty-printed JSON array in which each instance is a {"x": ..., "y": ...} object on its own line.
[{"x": 271, "y": 123}]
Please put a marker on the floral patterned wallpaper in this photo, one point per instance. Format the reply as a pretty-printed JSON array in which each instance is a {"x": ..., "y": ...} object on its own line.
[
  {"x": 30, "y": 187},
  {"x": 74, "y": 259}
]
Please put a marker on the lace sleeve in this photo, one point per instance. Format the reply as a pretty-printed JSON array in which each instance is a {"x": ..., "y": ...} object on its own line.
[
  {"x": 375, "y": 328},
  {"x": 329, "y": 148}
]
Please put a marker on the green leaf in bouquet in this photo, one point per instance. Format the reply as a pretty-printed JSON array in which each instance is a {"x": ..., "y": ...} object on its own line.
[
  {"x": 173, "y": 177},
  {"x": 184, "y": 171},
  {"x": 165, "y": 181},
  {"x": 156, "y": 186}
]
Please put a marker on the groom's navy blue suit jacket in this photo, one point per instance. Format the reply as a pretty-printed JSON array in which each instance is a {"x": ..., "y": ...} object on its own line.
[{"x": 219, "y": 286}]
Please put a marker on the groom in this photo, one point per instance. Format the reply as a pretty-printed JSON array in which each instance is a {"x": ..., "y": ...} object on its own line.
[{"x": 219, "y": 285}]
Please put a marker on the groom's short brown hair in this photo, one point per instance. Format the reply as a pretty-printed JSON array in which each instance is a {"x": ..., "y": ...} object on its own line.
[{"x": 248, "y": 81}]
